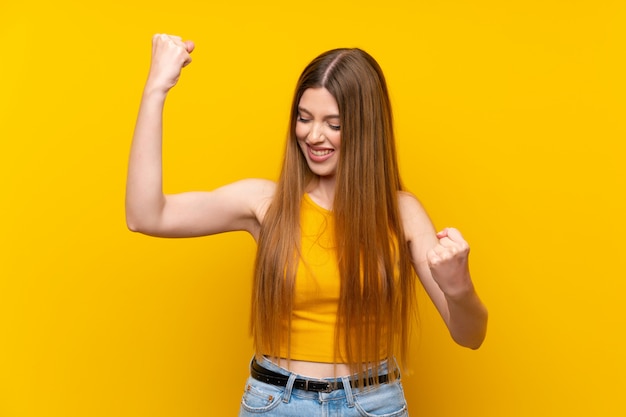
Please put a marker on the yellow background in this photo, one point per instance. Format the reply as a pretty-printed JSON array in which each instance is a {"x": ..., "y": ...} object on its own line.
[{"x": 510, "y": 117}]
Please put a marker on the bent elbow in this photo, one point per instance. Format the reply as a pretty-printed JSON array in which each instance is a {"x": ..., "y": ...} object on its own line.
[
  {"x": 136, "y": 224},
  {"x": 133, "y": 225},
  {"x": 473, "y": 343},
  {"x": 145, "y": 225},
  {"x": 474, "y": 335},
  {"x": 476, "y": 345}
]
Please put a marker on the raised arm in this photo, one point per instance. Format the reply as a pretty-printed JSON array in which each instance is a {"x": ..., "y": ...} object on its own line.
[
  {"x": 238, "y": 206},
  {"x": 441, "y": 263}
]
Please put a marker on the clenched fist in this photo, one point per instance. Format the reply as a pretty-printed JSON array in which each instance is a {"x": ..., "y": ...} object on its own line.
[
  {"x": 169, "y": 55},
  {"x": 448, "y": 263}
]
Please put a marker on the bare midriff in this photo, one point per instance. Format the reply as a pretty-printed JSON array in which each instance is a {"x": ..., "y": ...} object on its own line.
[{"x": 318, "y": 370}]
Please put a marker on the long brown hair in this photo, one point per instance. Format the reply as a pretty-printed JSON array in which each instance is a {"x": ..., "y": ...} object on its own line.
[{"x": 377, "y": 280}]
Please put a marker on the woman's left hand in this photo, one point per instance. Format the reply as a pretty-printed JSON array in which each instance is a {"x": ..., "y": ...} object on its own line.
[{"x": 448, "y": 263}]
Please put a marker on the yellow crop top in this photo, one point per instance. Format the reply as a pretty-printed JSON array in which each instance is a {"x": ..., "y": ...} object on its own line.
[{"x": 317, "y": 288}]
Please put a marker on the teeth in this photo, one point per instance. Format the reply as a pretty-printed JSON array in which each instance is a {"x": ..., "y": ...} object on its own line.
[{"x": 321, "y": 153}]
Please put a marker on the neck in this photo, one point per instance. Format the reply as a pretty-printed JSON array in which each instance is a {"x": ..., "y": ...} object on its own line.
[{"x": 322, "y": 191}]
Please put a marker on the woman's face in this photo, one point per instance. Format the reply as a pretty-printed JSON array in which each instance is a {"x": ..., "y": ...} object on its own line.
[{"x": 318, "y": 131}]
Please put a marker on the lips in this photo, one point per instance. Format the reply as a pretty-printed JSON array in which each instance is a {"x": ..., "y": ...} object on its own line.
[{"x": 319, "y": 154}]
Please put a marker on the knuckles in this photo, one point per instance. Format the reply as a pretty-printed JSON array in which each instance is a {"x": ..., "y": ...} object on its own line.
[
  {"x": 444, "y": 255},
  {"x": 170, "y": 49}
]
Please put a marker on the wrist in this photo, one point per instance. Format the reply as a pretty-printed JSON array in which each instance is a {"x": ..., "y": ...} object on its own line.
[
  {"x": 461, "y": 292},
  {"x": 154, "y": 91}
]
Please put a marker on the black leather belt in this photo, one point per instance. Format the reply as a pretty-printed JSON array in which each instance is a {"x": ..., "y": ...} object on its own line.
[{"x": 316, "y": 385}]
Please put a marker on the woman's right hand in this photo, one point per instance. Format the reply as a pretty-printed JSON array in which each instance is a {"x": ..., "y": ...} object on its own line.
[{"x": 169, "y": 55}]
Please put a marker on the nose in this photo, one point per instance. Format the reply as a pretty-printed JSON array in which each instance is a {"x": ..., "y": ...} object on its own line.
[{"x": 316, "y": 134}]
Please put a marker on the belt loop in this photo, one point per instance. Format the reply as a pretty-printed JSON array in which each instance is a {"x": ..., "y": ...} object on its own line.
[
  {"x": 347, "y": 389},
  {"x": 289, "y": 387}
]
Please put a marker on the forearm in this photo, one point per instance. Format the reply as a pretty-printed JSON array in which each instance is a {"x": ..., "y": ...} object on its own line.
[
  {"x": 144, "y": 186},
  {"x": 467, "y": 319}
]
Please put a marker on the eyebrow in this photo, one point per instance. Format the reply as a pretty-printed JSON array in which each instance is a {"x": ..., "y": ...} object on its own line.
[{"x": 330, "y": 116}]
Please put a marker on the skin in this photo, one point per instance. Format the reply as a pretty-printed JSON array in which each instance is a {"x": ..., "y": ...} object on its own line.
[{"x": 440, "y": 259}]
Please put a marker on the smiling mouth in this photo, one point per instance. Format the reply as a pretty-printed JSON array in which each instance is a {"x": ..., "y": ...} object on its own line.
[{"x": 321, "y": 152}]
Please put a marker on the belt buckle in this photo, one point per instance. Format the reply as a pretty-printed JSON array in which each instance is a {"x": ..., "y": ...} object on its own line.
[{"x": 327, "y": 386}]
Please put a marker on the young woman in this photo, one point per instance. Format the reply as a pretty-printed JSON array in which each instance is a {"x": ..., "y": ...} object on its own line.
[{"x": 340, "y": 244}]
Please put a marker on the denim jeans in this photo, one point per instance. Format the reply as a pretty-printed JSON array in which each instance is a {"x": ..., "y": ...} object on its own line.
[{"x": 265, "y": 400}]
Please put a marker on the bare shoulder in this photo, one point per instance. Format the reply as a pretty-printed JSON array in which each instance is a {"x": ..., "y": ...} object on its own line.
[
  {"x": 255, "y": 194},
  {"x": 254, "y": 187},
  {"x": 258, "y": 192},
  {"x": 406, "y": 198}
]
